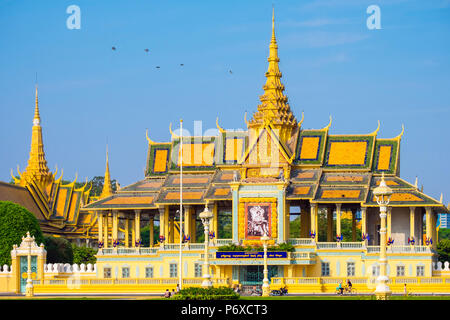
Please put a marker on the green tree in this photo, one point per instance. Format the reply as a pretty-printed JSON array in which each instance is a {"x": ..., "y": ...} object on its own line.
[
  {"x": 77, "y": 185},
  {"x": 145, "y": 235},
  {"x": 225, "y": 226},
  {"x": 59, "y": 250},
  {"x": 444, "y": 234},
  {"x": 84, "y": 255},
  {"x": 443, "y": 250},
  {"x": 294, "y": 227},
  {"x": 15, "y": 221},
  {"x": 97, "y": 185},
  {"x": 346, "y": 229}
]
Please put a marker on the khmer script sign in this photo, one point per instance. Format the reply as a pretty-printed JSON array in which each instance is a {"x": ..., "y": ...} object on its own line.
[{"x": 250, "y": 255}]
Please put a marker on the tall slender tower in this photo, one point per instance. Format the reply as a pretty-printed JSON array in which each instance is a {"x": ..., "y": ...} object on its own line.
[
  {"x": 107, "y": 187},
  {"x": 274, "y": 107},
  {"x": 37, "y": 170}
]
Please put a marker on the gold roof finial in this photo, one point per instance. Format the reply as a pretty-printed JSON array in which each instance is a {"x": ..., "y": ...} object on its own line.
[
  {"x": 107, "y": 188},
  {"x": 37, "y": 118},
  {"x": 273, "y": 24}
]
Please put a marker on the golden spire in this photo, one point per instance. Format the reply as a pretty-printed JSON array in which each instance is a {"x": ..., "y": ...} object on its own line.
[
  {"x": 107, "y": 187},
  {"x": 36, "y": 109},
  {"x": 274, "y": 108},
  {"x": 37, "y": 168}
]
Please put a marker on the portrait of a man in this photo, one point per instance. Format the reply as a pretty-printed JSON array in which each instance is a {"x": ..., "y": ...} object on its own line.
[{"x": 257, "y": 220}]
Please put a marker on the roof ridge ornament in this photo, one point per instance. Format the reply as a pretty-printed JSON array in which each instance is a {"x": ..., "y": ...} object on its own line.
[
  {"x": 245, "y": 119},
  {"x": 299, "y": 123},
  {"x": 399, "y": 137},
  {"x": 376, "y": 130},
  {"x": 329, "y": 124},
  {"x": 148, "y": 139},
  {"x": 219, "y": 127},
  {"x": 172, "y": 133}
]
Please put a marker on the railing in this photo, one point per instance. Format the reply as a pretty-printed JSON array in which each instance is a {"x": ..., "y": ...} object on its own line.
[
  {"x": 296, "y": 242},
  {"x": 176, "y": 246},
  {"x": 302, "y": 255},
  {"x": 148, "y": 251},
  {"x": 327, "y": 245},
  {"x": 373, "y": 249},
  {"x": 222, "y": 242},
  {"x": 300, "y": 241},
  {"x": 360, "y": 280},
  {"x": 352, "y": 245},
  {"x": 127, "y": 281},
  {"x": 408, "y": 249}
]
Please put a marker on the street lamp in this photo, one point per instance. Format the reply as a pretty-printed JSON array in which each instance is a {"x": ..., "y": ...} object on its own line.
[
  {"x": 206, "y": 217},
  {"x": 383, "y": 194},
  {"x": 265, "y": 287},
  {"x": 29, "y": 289}
]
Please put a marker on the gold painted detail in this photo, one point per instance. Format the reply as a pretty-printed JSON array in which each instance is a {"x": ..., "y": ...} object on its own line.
[
  {"x": 234, "y": 149},
  {"x": 197, "y": 154},
  {"x": 347, "y": 153},
  {"x": 190, "y": 180},
  {"x": 335, "y": 194},
  {"x": 310, "y": 146},
  {"x": 388, "y": 182},
  {"x": 301, "y": 190},
  {"x": 192, "y": 195},
  {"x": 305, "y": 175},
  {"x": 384, "y": 157},
  {"x": 344, "y": 178},
  {"x": 403, "y": 196},
  {"x": 130, "y": 200},
  {"x": 221, "y": 191},
  {"x": 160, "y": 160}
]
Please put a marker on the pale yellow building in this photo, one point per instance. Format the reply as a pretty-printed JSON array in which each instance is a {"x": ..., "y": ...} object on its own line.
[{"x": 256, "y": 182}]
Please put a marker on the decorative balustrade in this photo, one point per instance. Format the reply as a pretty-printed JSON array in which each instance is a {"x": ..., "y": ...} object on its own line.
[
  {"x": 67, "y": 268},
  {"x": 6, "y": 269},
  {"x": 222, "y": 242},
  {"x": 302, "y": 255},
  {"x": 127, "y": 281},
  {"x": 301, "y": 241},
  {"x": 352, "y": 245},
  {"x": 359, "y": 280},
  {"x": 327, "y": 245},
  {"x": 373, "y": 249},
  {"x": 439, "y": 266},
  {"x": 408, "y": 249}
]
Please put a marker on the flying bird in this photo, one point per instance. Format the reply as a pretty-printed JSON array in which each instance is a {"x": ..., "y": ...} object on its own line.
[
  {"x": 146, "y": 50},
  {"x": 231, "y": 72},
  {"x": 157, "y": 67},
  {"x": 114, "y": 48},
  {"x": 181, "y": 64}
]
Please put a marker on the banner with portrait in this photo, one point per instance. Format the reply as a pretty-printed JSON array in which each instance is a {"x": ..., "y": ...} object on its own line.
[{"x": 258, "y": 220}]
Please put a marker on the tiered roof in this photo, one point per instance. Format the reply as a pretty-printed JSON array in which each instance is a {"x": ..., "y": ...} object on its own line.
[{"x": 314, "y": 165}]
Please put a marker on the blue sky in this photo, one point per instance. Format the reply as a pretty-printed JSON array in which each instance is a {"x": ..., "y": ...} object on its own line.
[{"x": 332, "y": 64}]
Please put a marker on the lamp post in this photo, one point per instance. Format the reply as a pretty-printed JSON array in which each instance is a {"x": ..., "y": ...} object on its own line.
[
  {"x": 265, "y": 287},
  {"x": 29, "y": 289},
  {"x": 206, "y": 217},
  {"x": 383, "y": 195}
]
